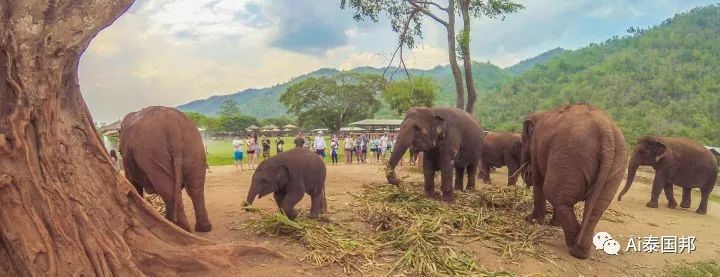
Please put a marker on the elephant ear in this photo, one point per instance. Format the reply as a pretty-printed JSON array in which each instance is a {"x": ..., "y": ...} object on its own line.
[
  {"x": 528, "y": 129},
  {"x": 439, "y": 126},
  {"x": 516, "y": 148},
  {"x": 660, "y": 150},
  {"x": 283, "y": 176}
]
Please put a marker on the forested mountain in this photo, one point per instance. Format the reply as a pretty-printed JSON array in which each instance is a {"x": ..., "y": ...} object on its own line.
[
  {"x": 664, "y": 80},
  {"x": 528, "y": 64},
  {"x": 264, "y": 103}
]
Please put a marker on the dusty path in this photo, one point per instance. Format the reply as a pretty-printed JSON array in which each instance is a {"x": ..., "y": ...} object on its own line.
[{"x": 226, "y": 189}]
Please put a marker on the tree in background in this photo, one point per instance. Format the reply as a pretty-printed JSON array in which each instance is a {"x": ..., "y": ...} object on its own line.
[
  {"x": 277, "y": 121},
  {"x": 235, "y": 123},
  {"x": 402, "y": 95},
  {"x": 199, "y": 119},
  {"x": 336, "y": 101},
  {"x": 406, "y": 20},
  {"x": 229, "y": 107}
]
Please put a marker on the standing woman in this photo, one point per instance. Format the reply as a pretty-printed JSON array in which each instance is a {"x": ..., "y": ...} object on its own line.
[
  {"x": 114, "y": 160},
  {"x": 349, "y": 146},
  {"x": 251, "y": 150}
]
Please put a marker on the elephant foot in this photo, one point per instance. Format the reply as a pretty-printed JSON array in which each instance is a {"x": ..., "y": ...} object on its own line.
[
  {"x": 672, "y": 205},
  {"x": 449, "y": 198},
  {"x": 684, "y": 205},
  {"x": 701, "y": 211},
  {"x": 580, "y": 252},
  {"x": 470, "y": 189},
  {"x": 535, "y": 219},
  {"x": 432, "y": 194},
  {"x": 203, "y": 227},
  {"x": 651, "y": 204},
  {"x": 554, "y": 221}
]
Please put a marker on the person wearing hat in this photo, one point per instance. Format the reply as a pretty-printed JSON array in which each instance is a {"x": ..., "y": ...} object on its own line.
[
  {"x": 319, "y": 144},
  {"x": 334, "y": 145}
]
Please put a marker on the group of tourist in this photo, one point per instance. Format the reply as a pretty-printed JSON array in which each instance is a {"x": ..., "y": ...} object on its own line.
[
  {"x": 356, "y": 147},
  {"x": 254, "y": 148}
]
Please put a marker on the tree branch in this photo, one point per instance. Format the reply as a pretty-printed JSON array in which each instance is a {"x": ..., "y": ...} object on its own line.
[{"x": 427, "y": 12}]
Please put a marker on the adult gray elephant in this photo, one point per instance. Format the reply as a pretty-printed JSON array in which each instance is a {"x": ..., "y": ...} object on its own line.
[
  {"x": 290, "y": 175},
  {"x": 679, "y": 161},
  {"x": 449, "y": 138},
  {"x": 163, "y": 153},
  {"x": 573, "y": 153},
  {"x": 500, "y": 149}
]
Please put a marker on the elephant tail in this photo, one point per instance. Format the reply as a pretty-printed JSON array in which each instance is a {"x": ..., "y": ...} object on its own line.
[
  {"x": 607, "y": 158},
  {"x": 175, "y": 146}
]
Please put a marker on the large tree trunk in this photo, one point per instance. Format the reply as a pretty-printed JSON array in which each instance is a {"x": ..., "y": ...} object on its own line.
[
  {"x": 452, "y": 53},
  {"x": 64, "y": 211},
  {"x": 467, "y": 62}
]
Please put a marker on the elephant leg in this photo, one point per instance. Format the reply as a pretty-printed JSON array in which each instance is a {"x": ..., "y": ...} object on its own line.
[
  {"x": 484, "y": 172},
  {"x": 657, "y": 187},
  {"x": 317, "y": 204},
  {"x": 446, "y": 180},
  {"x": 512, "y": 166},
  {"x": 704, "y": 195},
  {"x": 471, "y": 171},
  {"x": 686, "y": 198},
  {"x": 174, "y": 210},
  {"x": 566, "y": 217},
  {"x": 672, "y": 204},
  {"x": 289, "y": 201},
  {"x": 197, "y": 195},
  {"x": 279, "y": 196},
  {"x": 139, "y": 189},
  {"x": 538, "y": 212},
  {"x": 459, "y": 174},
  {"x": 429, "y": 175}
]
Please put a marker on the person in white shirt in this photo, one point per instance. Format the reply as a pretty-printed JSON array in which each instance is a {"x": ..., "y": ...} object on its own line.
[
  {"x": 238, "y": 152},
  {"x": 349, "y": 147},
  {"x": 319, "y": 144},
  {"x": 383, "y": 145}
]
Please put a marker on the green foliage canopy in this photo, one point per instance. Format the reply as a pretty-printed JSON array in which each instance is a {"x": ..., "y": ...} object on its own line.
[
  {"x": 334, "y": 101},
  {"x": 229, "y": 107},
  {"x": 661, "y": 81},
  {"x": 401, "y": 95}
]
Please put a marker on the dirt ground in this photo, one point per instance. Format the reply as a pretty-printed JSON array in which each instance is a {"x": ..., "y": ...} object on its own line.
[{"x": 226, "y": 189}]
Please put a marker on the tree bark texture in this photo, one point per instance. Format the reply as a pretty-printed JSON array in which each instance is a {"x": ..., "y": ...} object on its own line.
[
  {"x": 467, "y": 62},
  {"x": 452, "y": 53},
  {"x": 64, "y": 211}
]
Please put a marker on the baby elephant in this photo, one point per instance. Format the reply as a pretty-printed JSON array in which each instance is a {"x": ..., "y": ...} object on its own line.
[{"x": 289, "y": 175}]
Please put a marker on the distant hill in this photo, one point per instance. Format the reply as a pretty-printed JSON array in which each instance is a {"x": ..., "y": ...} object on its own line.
[
  {"x": 263, "y": 103},
  {"x": 663, "y": 81},
  {"x": 528, "y": 64}
]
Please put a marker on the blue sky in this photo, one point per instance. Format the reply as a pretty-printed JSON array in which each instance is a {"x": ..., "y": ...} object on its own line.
[{"x": 169, "y": 52}]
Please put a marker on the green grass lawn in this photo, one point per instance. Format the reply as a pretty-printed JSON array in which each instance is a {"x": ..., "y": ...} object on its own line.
[{"x": 220, "y": 152}]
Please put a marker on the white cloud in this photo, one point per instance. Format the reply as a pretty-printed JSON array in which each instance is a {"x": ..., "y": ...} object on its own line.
[{"x": 169, "y": 52}]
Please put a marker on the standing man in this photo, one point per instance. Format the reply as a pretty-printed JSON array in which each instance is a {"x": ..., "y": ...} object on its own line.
[
  {"x": 265, "y": 147},
  {"x": 299, "y": 140},
  {"x": 279, "y": 143},
  {"x": 238, "y": 152},
  {"x": 319, "y": 144}
]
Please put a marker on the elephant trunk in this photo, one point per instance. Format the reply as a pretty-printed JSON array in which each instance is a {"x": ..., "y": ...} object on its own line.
[
  {"x": 632, "y": 169},
  {"x": 405, "y": 138},
  {"x": 252, "y": 193}
]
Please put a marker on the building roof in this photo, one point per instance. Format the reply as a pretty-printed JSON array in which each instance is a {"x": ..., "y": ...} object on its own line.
[
  {"x": 350, "y": 129},
  {"x": 378, "y": 122},
  {"x": 110, "y": 128}
]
